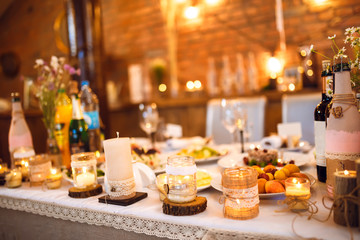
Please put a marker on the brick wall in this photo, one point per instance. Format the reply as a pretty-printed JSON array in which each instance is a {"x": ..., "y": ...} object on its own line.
[{"x": 134, "y": 32}]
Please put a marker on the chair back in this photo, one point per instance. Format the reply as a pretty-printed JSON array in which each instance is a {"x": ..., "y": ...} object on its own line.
[
  {"x": 300, "y": 108},
  {"x": 255, "y": 111}
]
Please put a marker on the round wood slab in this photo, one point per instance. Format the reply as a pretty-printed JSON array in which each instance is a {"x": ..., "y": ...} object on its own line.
[
  {"x": 85, "y": 192},
  {"x": 184, "y": 209}
]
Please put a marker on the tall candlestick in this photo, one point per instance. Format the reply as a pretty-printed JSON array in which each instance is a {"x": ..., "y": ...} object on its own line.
[
  {"x": 119, "y": 173},
  {"x": 345, "y": 183}
]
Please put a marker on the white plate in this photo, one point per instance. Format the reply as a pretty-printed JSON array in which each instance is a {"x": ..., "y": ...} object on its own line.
[
  {"x": 237, "y": 160},
  {"x": 216, "y": 183},
  {"x": 70, "y": 180}
]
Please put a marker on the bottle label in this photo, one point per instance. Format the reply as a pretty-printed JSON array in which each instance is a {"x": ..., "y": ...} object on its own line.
[
  {"x": 328, "y": 85},
  {"x": 320, "y": 128},
  {"x": 59, "y": 135},
  {"x": 92, "y": 119}
]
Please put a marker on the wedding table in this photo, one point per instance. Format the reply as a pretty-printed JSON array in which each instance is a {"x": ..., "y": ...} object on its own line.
[{"x": 37, "y": 213}]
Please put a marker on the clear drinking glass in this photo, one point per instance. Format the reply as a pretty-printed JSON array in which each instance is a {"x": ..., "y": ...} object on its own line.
[
  {"x": 149, "y": 119},
  {"x": 240, "y": 115}
]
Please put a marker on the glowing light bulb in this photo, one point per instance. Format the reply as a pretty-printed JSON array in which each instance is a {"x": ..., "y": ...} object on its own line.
[
  {"x": 310, "y": 72},
  {"x": 190, "y": 85},
  {"x": 162, "y": 87},
  {"x": 274, "y": 65},
  {"x": 197, "y": 84},
  {"x": 303, "y": 53},
  {"x": 291, "y": 87},
  {"x": 191, "y": 12}
]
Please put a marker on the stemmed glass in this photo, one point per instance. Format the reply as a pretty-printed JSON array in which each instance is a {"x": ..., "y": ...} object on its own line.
[
  {"x": 240, "y": 114},
  {"x": 149, "y": 119},
  {"x": 234, "y": 117},
  {"x": 228, "y": 117}
]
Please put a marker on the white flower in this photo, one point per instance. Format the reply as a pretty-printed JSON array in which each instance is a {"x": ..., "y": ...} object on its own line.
[
  {"x": 39, "y": 62},
  {"x": 349, "y": 31},
  {"x": 333, "y": 37},
  {"x": 46, "y": 68},
  {"x": 54, "y": 63},
  {"x": 310, "y": 49},
  {"x": 347, "y": 39}
]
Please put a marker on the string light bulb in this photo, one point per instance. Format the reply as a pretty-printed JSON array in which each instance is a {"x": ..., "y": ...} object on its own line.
[{"x": 191, "y": 12}]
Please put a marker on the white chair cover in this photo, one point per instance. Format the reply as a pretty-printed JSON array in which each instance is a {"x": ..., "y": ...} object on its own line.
[
  {"x": 300, "y": 108},
  {"x": 255, "y": 110}
]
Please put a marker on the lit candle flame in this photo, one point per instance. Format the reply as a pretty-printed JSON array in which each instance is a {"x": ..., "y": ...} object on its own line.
[
  {"x": 346, "y": 172},
  {"x": 252, "y": 146},
  {"x": 117, "y": 134},
  {"x": 84, "y": 169},
  {"x": 26, "y": 164},
  {"x": 53, "y": 171},
  {"x": 298, "y": 185},
  {"x": 294, "y": 180},
  {"x": 97, "y": 154}
]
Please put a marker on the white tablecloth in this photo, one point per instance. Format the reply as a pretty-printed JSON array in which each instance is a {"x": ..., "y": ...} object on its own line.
[{"x": 146, "y": 216}]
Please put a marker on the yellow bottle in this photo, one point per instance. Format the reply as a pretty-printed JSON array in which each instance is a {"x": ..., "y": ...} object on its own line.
[{"x": 62, "y": 122}]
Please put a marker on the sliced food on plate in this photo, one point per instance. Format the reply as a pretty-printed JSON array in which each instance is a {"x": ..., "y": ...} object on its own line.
[
  {"x": 149, "y": 157},
  {"x": 200, "y": 152}
]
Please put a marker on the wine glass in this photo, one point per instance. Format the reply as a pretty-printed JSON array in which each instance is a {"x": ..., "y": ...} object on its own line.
[
  {"x": 240, "y": 115},
  {"x": 228, "y": 117},
  {"x": 149, "y": 119}
]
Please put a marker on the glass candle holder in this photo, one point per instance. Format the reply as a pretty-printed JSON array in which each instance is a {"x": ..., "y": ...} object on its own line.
[
  {"x": 83, "y": 167},
  {"x": 181, "y": 179},
  {"x": 241, "y": 197},
  {"x": 3, "y": 171},
  {"x": 21, "y": 158},
  {"x": 13, "y": 179},
  {"x": 297, "y": 192},
  {"x": 53, "y": 181},
  {"x": 39, "y": 168}
]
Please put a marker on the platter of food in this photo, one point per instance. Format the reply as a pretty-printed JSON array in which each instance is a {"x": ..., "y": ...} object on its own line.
[{"x": 203, "y": 154}]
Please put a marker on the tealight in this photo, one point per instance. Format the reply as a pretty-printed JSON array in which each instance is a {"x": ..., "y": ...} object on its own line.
[
  {"x": 241, "y": 194},
  {"x": 13, "y": 179},
  {"x": 297, "y": 191},
  {"x": 181, "y": 179},
  {"x": 53, "y": 181},
  {"x": 83, "y": 167}
]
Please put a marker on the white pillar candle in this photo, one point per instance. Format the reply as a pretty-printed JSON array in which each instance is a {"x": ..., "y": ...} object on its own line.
[
  {"x": 119, "y": 174},
  {"x": 118, "y": 159}
]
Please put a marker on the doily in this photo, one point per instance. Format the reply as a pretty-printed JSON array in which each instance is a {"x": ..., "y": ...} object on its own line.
[{"x": 342, "y": 156}]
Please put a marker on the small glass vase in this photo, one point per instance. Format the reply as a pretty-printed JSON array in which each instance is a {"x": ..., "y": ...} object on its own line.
[{"x": 52, "y": 149}]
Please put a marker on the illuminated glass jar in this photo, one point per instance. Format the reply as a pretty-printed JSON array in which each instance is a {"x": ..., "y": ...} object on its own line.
[
  {"x": 241, "y": 197},
  {"x": 297, "y": 192},
  {"x": 39, "y": 168},
  {"x": 21, "y": 157},
  {"x": 83, "y": 167},
  {"x": 181, "y": 179}
]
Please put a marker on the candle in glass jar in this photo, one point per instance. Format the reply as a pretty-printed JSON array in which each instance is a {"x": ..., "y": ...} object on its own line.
[
  {"x": 241, "y": 193},
  {"x": 297, "y": 191},
  {"x": 13, "y": 179},
  {"x": 85, "y": 179},
  {"x": 53, "y": 181}
]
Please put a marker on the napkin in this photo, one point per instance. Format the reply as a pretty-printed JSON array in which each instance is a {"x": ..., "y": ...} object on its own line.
[{"x": 271, "y": 142}]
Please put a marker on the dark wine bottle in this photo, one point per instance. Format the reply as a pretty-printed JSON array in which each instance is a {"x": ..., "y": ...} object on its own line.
[
  {"x": 78, "y": 136},
  {"x": 320, "y": 121}
]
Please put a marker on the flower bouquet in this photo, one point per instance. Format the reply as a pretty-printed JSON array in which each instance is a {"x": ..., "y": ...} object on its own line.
[{"x": 50, "y": 77}]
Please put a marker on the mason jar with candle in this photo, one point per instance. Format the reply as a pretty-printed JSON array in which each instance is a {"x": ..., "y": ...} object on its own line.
[
  {"x": 297, "y": 193},
  {"x": 83, "y": 167},
  {"x": 181, "y": 179},
  {"x": 240, "y": 189},
  {"x": 13, "y": 179},
  {"x": 53, "y": 181},
  {"x": 39, "y": 168},
  {"x": 21, "y": 157}
]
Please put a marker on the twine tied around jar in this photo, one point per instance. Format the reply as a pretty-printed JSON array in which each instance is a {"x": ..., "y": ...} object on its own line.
[{"x": 313, "y": 209}]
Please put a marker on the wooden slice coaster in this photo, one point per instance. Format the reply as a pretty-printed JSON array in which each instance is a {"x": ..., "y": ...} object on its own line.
[
  {"x": 184, "y": 209},
  {"x": 123, "y": 202},
  {"x": 85, "y": 192}
]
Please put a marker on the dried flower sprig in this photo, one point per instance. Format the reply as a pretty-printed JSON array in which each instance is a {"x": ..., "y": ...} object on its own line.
[{"x": 352, "y": 37}]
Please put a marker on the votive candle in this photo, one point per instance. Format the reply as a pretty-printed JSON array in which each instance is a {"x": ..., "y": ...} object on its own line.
[
  {"x": 53, "y": 181},
  {"x": 297, "y": 191},
  {"x": 240, "y": 190},
  {"x": 13, "y": 179}
]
